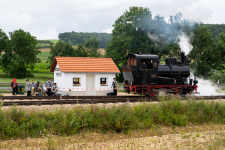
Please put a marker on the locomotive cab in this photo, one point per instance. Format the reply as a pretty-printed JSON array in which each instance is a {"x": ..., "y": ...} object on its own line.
[{"x": 141, "y": 69}]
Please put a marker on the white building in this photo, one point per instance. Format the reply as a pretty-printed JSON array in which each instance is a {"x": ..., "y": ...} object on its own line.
[{"x": 78, "y": 76}]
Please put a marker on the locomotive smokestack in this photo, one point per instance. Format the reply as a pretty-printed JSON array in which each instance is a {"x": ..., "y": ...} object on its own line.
[{"x": 183, "y": 58}]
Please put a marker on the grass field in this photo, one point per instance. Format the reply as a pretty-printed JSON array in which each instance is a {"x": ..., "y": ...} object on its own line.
[
  {"x": 44, "y": 55},
  {"x": 41, "y": 77},
  {"x": 53, "y": 40}
]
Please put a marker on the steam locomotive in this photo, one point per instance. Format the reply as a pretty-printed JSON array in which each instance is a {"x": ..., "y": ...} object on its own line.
[{"x": 144, "y": 74}]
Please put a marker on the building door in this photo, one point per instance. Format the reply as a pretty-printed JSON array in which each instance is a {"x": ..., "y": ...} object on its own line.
[{"x": 90, "y": 85}]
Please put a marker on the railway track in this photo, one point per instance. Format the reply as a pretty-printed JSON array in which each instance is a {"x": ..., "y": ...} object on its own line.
[{"x": 46, "y": 100}]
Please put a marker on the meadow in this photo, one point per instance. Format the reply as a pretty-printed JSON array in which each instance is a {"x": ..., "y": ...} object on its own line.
[{"x": 22, "y": 123}]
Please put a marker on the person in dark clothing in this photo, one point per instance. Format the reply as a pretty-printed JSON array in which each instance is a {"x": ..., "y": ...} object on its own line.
[
  {"x": 114, "y": 86},
  {"x": 36, "y": 88},
  {"x": 49, "y": 86},
  {"x": 144, "y": 66},
  {"x": 14, "y": 85}
]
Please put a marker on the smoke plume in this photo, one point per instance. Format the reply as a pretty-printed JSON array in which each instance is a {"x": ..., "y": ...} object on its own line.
[{"x": 184, "y": 43}]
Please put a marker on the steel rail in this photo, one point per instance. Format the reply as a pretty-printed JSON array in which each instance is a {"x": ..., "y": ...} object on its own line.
[{"x": 53, "y": 100}]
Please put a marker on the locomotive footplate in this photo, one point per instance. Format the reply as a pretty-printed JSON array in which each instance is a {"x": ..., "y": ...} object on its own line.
[{"x": 155, "y": 89}]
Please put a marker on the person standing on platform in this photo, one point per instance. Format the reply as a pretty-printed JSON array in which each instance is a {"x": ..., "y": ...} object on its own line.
[
  {"x": 36, "y": 88},
  {"x": 55, "y": 89},
  {"x": 114, "y": 86},
  {"x": 14, "y": 85},
  {"x": 49, "y": 86},
  {"x": 218, "y": 83},
  {"x": 29, "y": 87}
]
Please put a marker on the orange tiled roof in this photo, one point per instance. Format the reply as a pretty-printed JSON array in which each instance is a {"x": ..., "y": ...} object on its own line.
[{"x": 85, "y": 64}]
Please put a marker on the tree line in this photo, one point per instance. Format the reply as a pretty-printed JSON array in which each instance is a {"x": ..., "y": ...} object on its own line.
[
  {"x": 135, "y": 30},
  {"x": 75, "y": 38}
]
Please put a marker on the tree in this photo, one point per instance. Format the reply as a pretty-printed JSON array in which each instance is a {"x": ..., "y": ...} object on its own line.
[
  {"x": 60, "y": 49},
  {"x": 80, "y": 51},
  {"x": 203, "y": 51},
  {"x": 64, "y": 49},
  {"x": 4, "y": 41},
  {"x": 75, "y": 38},
  {"x": 130, "y": 34},
  {"x": 92, "y": 46},
  {"x": 20, "y": 55}
]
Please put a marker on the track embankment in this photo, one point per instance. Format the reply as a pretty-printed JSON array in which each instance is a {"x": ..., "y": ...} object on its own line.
[{"x": 53, "y": 100}]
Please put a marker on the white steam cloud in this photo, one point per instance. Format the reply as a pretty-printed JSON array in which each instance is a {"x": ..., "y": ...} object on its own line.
[
  {"x": 205, "y": 87},
  {"x": 184, "y": 43}
]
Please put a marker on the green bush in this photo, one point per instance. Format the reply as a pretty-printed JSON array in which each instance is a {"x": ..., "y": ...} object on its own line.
[{"x": 18, "y": 123}]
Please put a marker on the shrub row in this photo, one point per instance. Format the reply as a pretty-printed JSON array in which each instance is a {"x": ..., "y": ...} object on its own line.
[{"x": 18, "y": 123}]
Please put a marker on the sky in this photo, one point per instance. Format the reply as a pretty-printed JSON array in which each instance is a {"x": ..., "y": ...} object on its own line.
[{"x": 45, "y": 19}]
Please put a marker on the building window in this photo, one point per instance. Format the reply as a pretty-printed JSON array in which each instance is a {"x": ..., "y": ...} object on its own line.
[
  {"x": 103, "y": 81},
  {"x": 76, "y": 81}
]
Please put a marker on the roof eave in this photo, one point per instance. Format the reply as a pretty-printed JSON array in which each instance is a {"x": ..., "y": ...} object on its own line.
[{"x": 53, "y": 65}]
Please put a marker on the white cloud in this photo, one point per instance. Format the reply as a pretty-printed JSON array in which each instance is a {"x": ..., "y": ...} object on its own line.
[{"x": 47, "y": 18}]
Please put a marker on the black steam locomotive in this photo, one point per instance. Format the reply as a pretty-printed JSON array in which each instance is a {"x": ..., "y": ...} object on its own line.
[{"x": 144, "y": 74}]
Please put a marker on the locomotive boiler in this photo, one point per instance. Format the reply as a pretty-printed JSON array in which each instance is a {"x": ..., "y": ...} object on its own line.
[{"x": 144, "y": 74}]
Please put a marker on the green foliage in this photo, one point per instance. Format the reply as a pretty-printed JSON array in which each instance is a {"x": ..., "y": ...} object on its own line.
[
  {"x": 54, "y": 41},
  {"x": 75, "y": 38},
  {"x": 202, "y": 50},
  {"x": 4, "y": 41},
  {"x": 208, "y": 54},
  {"x": 43, "y": 44},
  {"x": 64, "y": 49},
  {"x": 129, "y": 35},
  {"x": 80, "y": 51},
  {"x": 18, "y": 123},
  {"x": 216, "y": 29},
  {"x": 21, "y": 54},
  {"x": 92, "y": 45},
  {"x": 44, "y": 55}
]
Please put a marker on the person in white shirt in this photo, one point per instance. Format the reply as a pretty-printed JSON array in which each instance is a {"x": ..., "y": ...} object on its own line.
[{"x": 114, "y": 86}]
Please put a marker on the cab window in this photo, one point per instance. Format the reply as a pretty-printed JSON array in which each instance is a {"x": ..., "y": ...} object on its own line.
[
  {"x": 146, "y": 64},
  {"x": 132, "y": 61}
]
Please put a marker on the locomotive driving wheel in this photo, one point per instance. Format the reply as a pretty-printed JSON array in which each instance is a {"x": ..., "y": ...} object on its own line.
[{"x": 152, "y": 93}]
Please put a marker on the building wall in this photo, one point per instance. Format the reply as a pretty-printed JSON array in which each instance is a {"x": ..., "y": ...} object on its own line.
[
  {"x": 58, "y": 76},
  {"x": 64, "y": 81},
  {"x": 68, "y": 81},
  {"x": 109, "y": 79}
]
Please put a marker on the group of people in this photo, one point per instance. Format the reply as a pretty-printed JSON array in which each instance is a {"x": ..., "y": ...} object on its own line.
[{"x": 49, "y": 87}]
